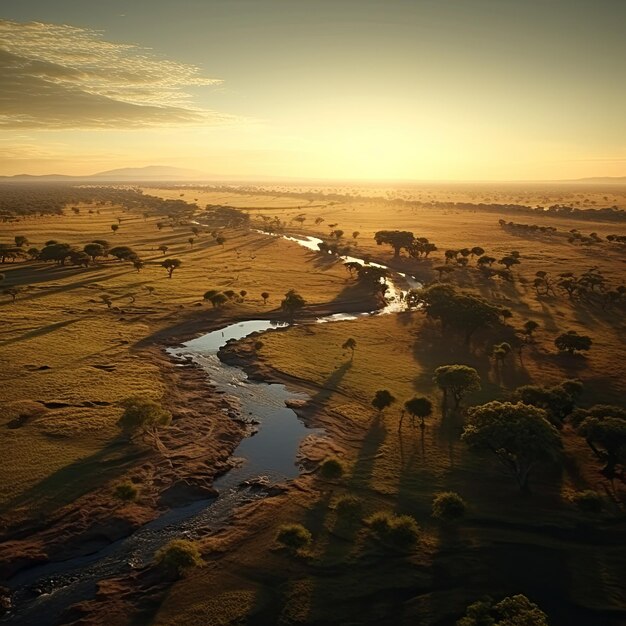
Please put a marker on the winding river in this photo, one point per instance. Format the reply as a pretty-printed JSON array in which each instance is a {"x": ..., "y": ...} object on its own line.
[{"x": 42, "y": 593}]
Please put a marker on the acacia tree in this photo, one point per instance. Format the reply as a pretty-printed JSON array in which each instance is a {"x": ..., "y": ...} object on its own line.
[
  {"x": 170, "y": 265},
  {"x": 163, "y": 248},
  {"x": 456, "y": 381},
  {"x": 604, "y": 430},
  {"x": 519, "y": 435},
  {"x": 397, "y": 239},
  {"x": 572, "y": 342},
  {"x": 94, "y": 250},
  {"x": 382, "y": 399},
  {"x": 419, "y": 407},
  {"x": 143, "y": 416},
  {"x": 292, "y": 303}
]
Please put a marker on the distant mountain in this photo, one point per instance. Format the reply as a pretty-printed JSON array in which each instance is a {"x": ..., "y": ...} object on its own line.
[
  {"x": 148, "y": 173},
  {"x": 601, "y": 179}
]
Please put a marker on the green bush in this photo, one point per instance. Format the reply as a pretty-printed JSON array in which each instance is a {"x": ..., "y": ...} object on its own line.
[
  {"x": 332, "y": 469},
  {"x": 126, "y": 491},
  {"x": 448, "y": 506},
  {"x": 178, "y": 555},
  {"x": 294, "y": 536},
  {"x": 349, "y": 507},
  {"x": 588, "y": 501},
  {"x": 397, "y": 531}
]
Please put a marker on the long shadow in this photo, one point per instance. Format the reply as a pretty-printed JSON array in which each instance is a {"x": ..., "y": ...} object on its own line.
[
  {"x": 37, "y": 332},
  {"x": 77, "y": 478},
  {"x": 330, "y": 385}
]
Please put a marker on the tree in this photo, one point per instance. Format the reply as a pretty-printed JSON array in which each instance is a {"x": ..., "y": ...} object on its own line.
[
  {"x": 572, "y": 342},
  {"x": 457, "y": 310},
  {"x": 382, "y": 399},
  {"x": 355, "y": 234},
  {"x": 143, "y": 416},
  {"x": 79, "y": 258},
  {"x": 477, "y": 251},
  {"x": 178, "y": 556},
  {"x": 443, "y": 269},
  {"x": 511, "y": 611},
  {"x": 529, "y": 328},
  {"x": 397, "y": 239},
  {"x": 190, "y": 241},
  {"x": 94, "y": 250},
  {"x": 558, "y": 401},
  {"x": 123, "y": 253},
  {"x": 12, "y": 291},
  {"x": 217, "y": 299},
  {"x": 20, "y": 241},
  {"x": 163, "y": 248},
  {"x": 418, "y": 407},
  {"x": 509, "y": 261},
  {"x": 33, "y": 253},
  {"x": 485, "y": 260},
  {"x": 170, "y": 265},
  {"x": 456, "y": 381},
  {"x": 332, "y": 469},
  {"x": 138, "y": 264},
  {"x": 265, "y": 295},
  {"x": 604, "y": 430},
  {"x": 115, "y": 228},
  {"x": 500, "y": 351},
  {"x": 292, "y": 303},
  {"x": 220, "y": 240},
  {"x": 349, "y": 344},
  {"x": 57, "y": 252},
  {"x": 520, "y": 436}
]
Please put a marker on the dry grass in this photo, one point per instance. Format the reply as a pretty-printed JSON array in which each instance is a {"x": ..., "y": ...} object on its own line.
[{"x": 60, "y": 323}]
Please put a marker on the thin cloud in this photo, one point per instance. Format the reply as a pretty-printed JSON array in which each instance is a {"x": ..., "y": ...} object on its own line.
[{"x": 63, "y": 77}]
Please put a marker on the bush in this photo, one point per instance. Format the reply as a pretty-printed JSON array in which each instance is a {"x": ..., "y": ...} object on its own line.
[
  {"x": 448, "y": 506},
  {"x": 332, "y": 469},
  {"x": 126, "y": 491},
  {"x": 349, "y": 507},
  {"x": 397, "y": 531},
  {"x": 294, "y": 536},
  {"x": 588, "y": 501},
  {"x": 178, "y": 555}
]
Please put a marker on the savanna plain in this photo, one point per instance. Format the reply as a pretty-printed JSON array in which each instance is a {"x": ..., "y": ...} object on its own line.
[{"x": 465, "y": 397}]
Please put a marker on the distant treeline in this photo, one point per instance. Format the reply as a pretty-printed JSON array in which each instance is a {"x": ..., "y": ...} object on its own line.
[
  {"x": 606, "y": 214},
  {"x": 21, "y": 200}
]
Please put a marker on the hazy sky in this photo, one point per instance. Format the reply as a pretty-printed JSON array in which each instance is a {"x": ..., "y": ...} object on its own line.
[{"x": 378, "y": 89}]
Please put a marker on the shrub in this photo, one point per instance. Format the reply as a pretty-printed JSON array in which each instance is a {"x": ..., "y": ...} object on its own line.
[
  {"x": 397, "y": 531},
  {"x": 126, "y": 491},
  {"x": 349, "y": 507},
  {"x": 448, "y": 506},
  {"x": 178, "y": 555},
  {"x": 588, "y": 501},
  {"x": 332, "y": 469},
  {"x": 294, "y": 536}
]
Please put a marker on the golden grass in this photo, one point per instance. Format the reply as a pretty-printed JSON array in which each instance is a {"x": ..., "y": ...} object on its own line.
[{"x": 60, "y": 323}]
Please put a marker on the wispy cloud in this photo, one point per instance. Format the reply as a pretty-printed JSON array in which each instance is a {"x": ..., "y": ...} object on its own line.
[{"x": 63, "y": 77}]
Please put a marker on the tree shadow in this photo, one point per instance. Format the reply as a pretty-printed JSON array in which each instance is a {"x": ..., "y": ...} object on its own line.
[{"x": 38, "y": 332}]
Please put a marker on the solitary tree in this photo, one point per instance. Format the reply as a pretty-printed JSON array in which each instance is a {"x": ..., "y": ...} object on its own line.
[
  {"x": 115, "y": 228},
  {"x": 163, "y": 248},
  {"x": 382, "y": 399},
  {"x": 397, "y": 239},
  {"x": 518, "y": 434},
  {"x": 419, "y": 407},
  {"x": 350, "y": 344},
  {"x": 292, "y": 303},
  {"x": 21, "y": 241},
  {"x": 220, "y": 240},
  {"x": 529, "y": 328},
  {"x": 12, "y": 291},
  {"x": 170, "y": 265},
  {"x": 456, "y": 381},
  {"x": 143, "y": 416},
  {"x": 572, "y": 342},
  {"x": 265, "y": 295}
]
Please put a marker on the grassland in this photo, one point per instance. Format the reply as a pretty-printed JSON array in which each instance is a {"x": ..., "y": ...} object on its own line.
[
  {"x": 507, "y": 544},
  {"x": 68, "y": 359},
  {"x": 567, "y": 561}
]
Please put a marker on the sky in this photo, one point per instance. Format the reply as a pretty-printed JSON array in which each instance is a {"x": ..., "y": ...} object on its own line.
[{"x": 323, "y": 89}]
